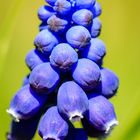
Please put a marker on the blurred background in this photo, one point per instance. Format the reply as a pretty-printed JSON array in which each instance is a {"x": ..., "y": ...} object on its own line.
[{"x": 120, "y": 32}]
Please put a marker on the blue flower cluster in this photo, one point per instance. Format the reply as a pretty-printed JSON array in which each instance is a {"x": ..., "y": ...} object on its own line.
[{"x": 66, "y": 75}]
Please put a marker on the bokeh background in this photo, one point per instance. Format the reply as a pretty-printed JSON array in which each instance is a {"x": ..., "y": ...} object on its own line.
[{"x": 120, "y": 32}]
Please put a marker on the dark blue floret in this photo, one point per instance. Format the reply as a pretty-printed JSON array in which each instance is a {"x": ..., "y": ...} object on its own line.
[
  {"x": 78, "y": 37},
  {"x": 63, "y": 56},
  {"x": 44, "y": 78},
  {"x": 86, "y": 73},
  {"x": 62, "y": 7},
  {"x": 94, "y": 133},
  {"x": 45, "y": 41},
  {"x": 95, "y": 51},
  {"x": 52, "y": 126},
  {"x": 96, "y": 9},
  {"x": 72, "y": 101},
  {"x": 81, "y": 4},
  {"x": 109, "y": 83},
  {"x": 82, "y": 17},
  {"x": 26, "y": 103},
  {"x": 45, "y": 12},
  {"x": 34, "y": 58},
  {"x": 23, "y": 130},
  {"x": 96, "y": 27},
  {"x": 57, "y": 24},
  {"x": 101, "y": 113}
]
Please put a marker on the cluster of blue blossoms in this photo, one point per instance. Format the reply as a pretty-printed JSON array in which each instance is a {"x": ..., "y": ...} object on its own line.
[{"x": 67, "y": 82}]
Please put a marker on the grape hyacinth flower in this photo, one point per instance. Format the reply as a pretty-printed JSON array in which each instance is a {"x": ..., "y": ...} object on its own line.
[
  {"x": 82, "y": 17},
  {"x": 86, "y": 73},
  {"x": 72, "y": 101},
  {"x": 95, "y": 51},
  {"x": 109, "y": 83},
  {"x": 52, "y": 126},
  {"x": 44, "y": 78},
  {"x": 26, "y": 103},
  {"x": 67, "y": 81},
  {"x": 45, "y": 12},
  {"x": 96, "y": 27},
  {"x": 81, "y": 4},
  {"x": 23, "y": 130},
  {"x": 57, "y": 24},
  {"x": 62, "y": 7},
  {"x": 96, "y": 9},
  {"x": 63, "y": 56},
  {"x": 101, "y": 113},
  {"x": 45, "y": 41},
  {"x": 78, "y": 37},
  {"x": 34, "y": 58}
]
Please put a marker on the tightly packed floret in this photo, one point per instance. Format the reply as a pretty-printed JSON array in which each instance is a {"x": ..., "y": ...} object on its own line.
[{"x": 67, "y": 81}]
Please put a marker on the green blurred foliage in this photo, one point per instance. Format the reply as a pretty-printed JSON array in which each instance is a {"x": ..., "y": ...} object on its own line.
[{"x": 121, "y": 32}]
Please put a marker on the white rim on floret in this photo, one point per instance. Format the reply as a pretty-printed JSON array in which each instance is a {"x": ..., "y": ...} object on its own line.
[
  {"x": 50, "y": 137},
  {"x": 13, "y": 114},
  {"x": 75, "y": 116},
  {"x": 110, "y": 125}
]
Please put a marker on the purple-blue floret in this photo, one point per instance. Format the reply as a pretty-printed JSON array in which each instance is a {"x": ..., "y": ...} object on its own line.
[
  {"x": 72, "y": 101},
  {"x": 62, "y": 7},
  {"x": 56, "y": 24},
  {"x": 78, "y": 37},
  {"x": 109, "y": 83},
  {"x": 34, "y": 58},
  {"x": 86, "y": 73},
  {"x": 81, "y": 4},
  {"x": 95, "y": 51},
  {"x": 63, "y": 56},
  {"x": 96, "y": 9},
  {"x": 101, "y": 113},
  {"x": 45, "y": 41},
  {"x": 52, "y": 126},
  {"x": 45, "y": 12},
  {"x": 26, "y": 103},
  {"x": 44, "y": 78},
  {"x": 96, "y": 27},
  {"x": 83, "y": 17}
]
